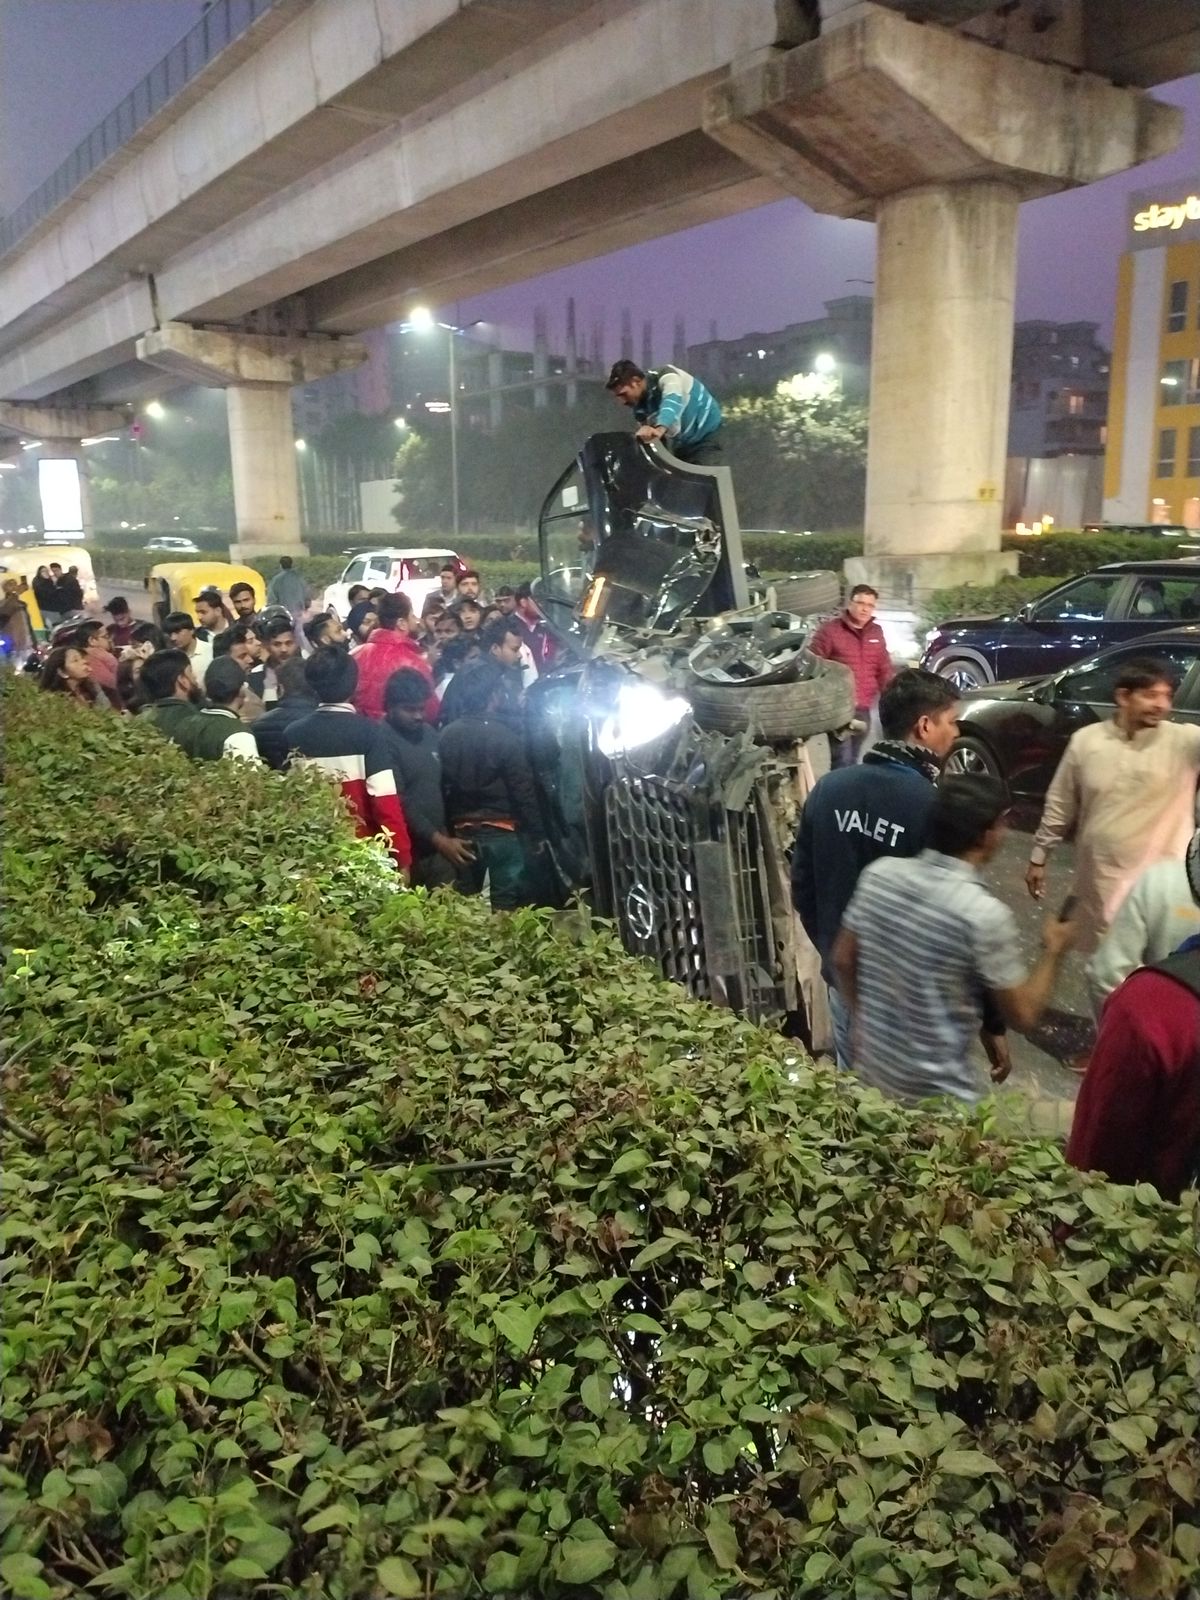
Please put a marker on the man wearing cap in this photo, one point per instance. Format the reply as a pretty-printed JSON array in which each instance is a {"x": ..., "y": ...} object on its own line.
[
  {"x": 120, "y": 629},
  {"x": 1137, "y": 1118}
]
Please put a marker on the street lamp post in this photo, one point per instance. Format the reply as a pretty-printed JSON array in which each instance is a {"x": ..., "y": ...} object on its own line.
[{"x": 421, "y": 319}]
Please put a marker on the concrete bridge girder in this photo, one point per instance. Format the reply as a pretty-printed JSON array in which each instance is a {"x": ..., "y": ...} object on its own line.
[{"x": 70, "y": 423}]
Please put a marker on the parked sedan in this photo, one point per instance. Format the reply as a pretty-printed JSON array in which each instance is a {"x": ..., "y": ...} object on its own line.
[
  {"x": 1018, "y": 731},
  {"x": 1122, "y": 601}
]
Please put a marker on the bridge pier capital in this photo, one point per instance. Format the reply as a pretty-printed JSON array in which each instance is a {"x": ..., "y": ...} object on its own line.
[{"x": 257, "y": 372}]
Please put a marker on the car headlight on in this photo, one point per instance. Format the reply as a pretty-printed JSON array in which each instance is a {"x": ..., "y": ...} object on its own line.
[{"x": 643, "y": 714}]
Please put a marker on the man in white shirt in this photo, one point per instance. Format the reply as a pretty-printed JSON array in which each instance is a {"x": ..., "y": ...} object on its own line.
[
  {"x": 1125, "y": 790},
  {"x": 180, "y": 629}
]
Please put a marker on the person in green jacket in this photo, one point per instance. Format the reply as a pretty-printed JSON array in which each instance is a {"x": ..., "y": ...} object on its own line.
[
  {"x": 173, "y": 696},
  {"x": 219, "y": 730}
]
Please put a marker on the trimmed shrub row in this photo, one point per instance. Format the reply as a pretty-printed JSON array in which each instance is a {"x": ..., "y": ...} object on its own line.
[{"x": 360, "y": 1244}]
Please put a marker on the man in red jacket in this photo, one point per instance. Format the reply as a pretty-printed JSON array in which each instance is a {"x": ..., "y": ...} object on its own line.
[
  {"x": 856, "y": 640},
  {"x": 390, "y": 647}
]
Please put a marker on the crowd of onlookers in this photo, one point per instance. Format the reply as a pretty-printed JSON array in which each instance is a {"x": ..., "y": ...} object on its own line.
[{"x": 417, "y": 715}]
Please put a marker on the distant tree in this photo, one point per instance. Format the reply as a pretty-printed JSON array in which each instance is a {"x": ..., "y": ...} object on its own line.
[{"x": 799, "y": 458}]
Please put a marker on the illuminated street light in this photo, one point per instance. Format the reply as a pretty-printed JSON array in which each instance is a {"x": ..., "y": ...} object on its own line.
[
  {"x": 422, "y": 320},
  {"x": 156, "y": 410},
  {"x": 400, "y": 422},
  {"x": 825, "y": 362},
  {"x": 301, "y": 444}
]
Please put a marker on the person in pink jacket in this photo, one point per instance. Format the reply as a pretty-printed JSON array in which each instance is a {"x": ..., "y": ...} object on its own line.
[{"x": 855, "y": 639}]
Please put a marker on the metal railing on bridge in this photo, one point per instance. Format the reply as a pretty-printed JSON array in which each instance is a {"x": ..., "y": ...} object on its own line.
[{"x": 222, "y": 23}]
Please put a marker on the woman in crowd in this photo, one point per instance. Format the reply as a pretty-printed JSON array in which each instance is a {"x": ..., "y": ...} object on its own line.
[{"x": 68, "y": 671}]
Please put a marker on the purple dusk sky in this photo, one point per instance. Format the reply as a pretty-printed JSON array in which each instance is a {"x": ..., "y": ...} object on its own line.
[{"x": 65, "y": 63}]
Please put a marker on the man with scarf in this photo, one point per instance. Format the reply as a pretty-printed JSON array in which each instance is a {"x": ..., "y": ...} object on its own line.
[{"x": 854, "y": 815}]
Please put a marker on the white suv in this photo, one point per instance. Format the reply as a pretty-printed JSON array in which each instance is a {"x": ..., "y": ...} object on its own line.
[{"x": 415, "y": 573}]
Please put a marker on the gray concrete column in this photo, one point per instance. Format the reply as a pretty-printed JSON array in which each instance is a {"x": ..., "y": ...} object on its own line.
[
  {"x": 886, "y": 118},
  {"x": 266, "y": 488},
  {"x": 941, "y": 362}
]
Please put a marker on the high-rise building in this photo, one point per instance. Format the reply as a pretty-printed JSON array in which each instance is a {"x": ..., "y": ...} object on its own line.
[
  {"x": 1059, "y": 401},
  {"x": 1152, "y": 463}
]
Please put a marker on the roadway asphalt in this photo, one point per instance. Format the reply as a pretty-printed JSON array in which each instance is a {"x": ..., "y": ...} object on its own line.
[{"x": 1039, "y": 1070}]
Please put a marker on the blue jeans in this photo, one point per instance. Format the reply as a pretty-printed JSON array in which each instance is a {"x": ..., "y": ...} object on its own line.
[{"x": 840, "y": 1013}]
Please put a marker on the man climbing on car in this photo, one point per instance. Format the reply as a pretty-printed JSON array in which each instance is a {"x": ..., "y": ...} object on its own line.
[{"x": 673, "y": 406}]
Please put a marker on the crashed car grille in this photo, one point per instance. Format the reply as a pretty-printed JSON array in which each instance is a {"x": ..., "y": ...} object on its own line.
[{"x": 688, "y": 879}]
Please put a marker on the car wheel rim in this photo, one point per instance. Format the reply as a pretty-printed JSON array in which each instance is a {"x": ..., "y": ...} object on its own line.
[
  {"x": 966, "y": 762},
  {"x": 963, "y": 676}
]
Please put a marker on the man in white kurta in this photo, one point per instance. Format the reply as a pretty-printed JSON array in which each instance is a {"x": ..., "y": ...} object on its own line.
[{"x": 1125, "y": 790}]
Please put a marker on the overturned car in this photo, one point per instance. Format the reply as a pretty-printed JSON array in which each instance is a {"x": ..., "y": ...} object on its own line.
[{"x": 676, "y": 741}]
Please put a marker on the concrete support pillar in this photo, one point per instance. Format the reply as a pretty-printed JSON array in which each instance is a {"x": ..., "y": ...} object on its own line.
[
  {"x": 266, "y": 486},
  {"x": 938, "y": 138},
  {"x": 945, "y": 279},
  {"x": 258, "y": 372}
]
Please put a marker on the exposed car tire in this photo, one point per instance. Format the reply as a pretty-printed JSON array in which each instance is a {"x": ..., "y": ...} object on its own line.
[
  {"x": 962, "y": 672},
  {"x": 970, "y": 758},
  {"x": 806, "y": 593},
  {"x": 778, "y": 712}
]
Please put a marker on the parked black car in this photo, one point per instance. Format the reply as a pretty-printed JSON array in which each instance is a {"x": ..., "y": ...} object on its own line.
[
  {"x": 1122, "y": 601},
  {"x": 1018, "y": 731}
]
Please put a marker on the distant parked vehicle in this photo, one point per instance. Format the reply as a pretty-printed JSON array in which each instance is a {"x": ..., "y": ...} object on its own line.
[
  {"x": 415, "y": 573},
  {"x": 1146, "y": 530},
  {"x": 1122, "y": 601},
  {"x": 170, "y": 545}
]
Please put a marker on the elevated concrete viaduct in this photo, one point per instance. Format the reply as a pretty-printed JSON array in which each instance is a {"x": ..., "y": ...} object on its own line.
[{"x": 344, "y": 159}]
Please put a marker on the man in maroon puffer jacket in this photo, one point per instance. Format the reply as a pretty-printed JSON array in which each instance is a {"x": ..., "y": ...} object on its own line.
[{"x": 855, "y": 639}]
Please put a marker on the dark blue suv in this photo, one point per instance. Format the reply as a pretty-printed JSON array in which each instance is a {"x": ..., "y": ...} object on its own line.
[{"x": 1113, "y": 604}]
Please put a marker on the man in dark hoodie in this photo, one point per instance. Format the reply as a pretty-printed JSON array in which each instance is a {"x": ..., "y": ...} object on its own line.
[
  {"x": 438, "y": 857},
  {"x": 296, "y": 700},
  {"x": 491, "y": 801},
  {"x": 854, "y": 815}
]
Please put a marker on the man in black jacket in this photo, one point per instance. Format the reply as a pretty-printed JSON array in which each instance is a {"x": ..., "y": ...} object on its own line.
[
  {"x": 438, "y": 857},
  {"x": 296, "y": 700},
  {"x": 491, "y": 802},
  {"x": 857, "y": 814}
]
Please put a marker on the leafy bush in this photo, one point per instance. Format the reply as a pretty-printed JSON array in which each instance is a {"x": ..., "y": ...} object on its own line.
[
  {"x": 983, "y": 600},
  {"x": 1065, "y": 555},
  {"x": 361, "y": 1244}
]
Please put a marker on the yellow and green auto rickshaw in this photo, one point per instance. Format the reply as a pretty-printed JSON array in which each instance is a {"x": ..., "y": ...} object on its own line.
[{"x": 174, "y": 585}]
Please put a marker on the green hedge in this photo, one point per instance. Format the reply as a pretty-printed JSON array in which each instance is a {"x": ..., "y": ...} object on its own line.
[
  {"x": 1064, "y": 555},
  {"x": 360, "y": 1244},
  {"x": 983, "y": 600}
]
